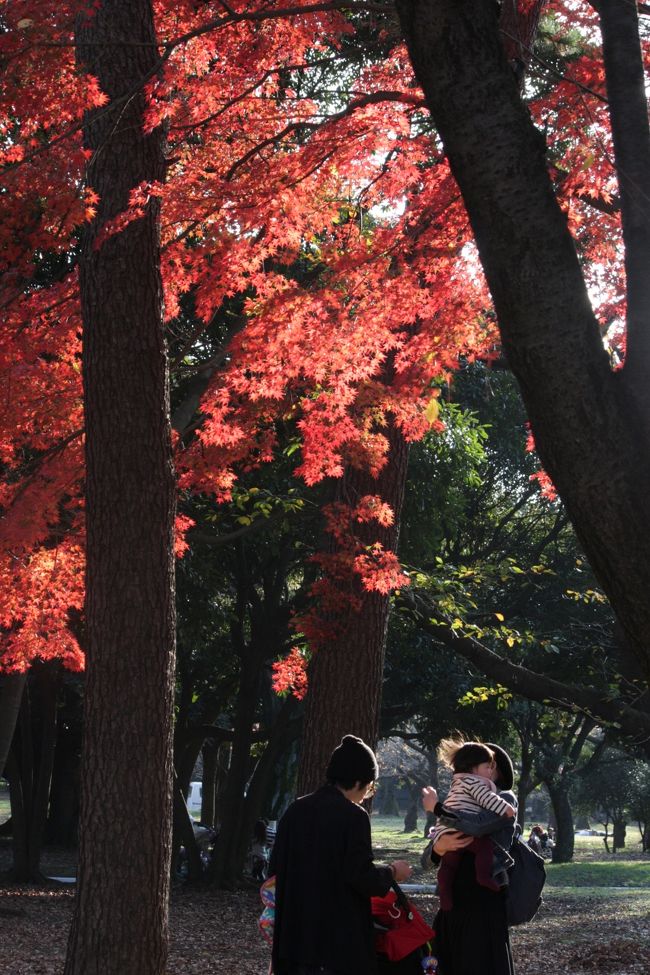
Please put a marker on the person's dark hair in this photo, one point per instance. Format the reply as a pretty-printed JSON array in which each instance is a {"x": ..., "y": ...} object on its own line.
[
  {"x": 353, "y": 761},
  {"x": 463, "y": 756},
  {"x": 505, "y": 772}
]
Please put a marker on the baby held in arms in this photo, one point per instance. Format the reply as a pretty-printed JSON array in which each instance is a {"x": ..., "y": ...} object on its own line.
[{"x": 472, "y": 790}]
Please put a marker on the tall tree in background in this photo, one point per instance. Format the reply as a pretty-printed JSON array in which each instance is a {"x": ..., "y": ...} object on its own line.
[
  {"x": 345, "y": 676},
  {"x": 590, "y": 421},
  {"x": 120, "y": 923},
  {"x": 346, "y": 680}
]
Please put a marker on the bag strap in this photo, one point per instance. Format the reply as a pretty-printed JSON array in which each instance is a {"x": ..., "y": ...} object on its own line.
[{"x": 401, "y": 900}]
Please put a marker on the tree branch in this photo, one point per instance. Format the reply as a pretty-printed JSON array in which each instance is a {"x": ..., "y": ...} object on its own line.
[
  {"x": 371, "y": 98},
  {"x": 183, "y": 413},
  {"x": 522, "y": 680},
  {"x": 216, "y": 540},
  {"x": 256, "y": 16}
]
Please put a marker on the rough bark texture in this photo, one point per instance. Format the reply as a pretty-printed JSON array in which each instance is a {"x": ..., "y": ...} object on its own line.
[
  {"x": 120, "y": 923},
  {"x": 590, "y": 430},
  {"x": 345, "y": 679}
]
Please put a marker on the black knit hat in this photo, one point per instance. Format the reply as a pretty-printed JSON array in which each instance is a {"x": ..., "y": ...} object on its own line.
[
  {"x": 504, "y": 765},
  {"x": 352, "y": 761}
]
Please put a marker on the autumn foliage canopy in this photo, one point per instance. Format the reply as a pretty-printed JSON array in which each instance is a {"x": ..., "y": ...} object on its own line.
[{"x": 309, "y": 223}]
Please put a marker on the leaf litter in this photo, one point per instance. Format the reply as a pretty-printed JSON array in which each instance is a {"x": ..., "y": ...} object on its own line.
[{"x": 215, "y": 933}]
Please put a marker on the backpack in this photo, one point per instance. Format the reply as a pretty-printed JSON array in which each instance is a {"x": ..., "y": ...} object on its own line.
[{"x": 526, "y": 879}]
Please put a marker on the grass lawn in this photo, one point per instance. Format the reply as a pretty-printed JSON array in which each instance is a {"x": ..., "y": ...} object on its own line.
[
  {"x": 599, "y": 873},
  {"x": 388, "y": 837}
]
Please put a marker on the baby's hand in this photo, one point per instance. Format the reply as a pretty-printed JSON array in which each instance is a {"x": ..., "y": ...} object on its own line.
[
  {"x": 510, "y": 812},
  {"x": 429, "y": 798}
]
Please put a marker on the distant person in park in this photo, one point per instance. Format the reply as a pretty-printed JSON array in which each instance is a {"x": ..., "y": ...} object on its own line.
[
  {"x": 540, "y": 841},
  {"x": 472, "y": 936},
  {"x": 535, "y": 839},
  {"x": 325, "y": 875},
  {"x": 259, "y": 850}
]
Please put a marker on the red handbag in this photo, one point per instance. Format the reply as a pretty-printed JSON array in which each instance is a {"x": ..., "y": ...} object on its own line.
[{"x": 406, "y": 929}]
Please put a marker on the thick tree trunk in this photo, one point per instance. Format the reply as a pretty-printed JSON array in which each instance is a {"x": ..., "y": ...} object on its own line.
[
  {"x": 619, "y": 830},
  {"x": 590, "y": 431},
  {"x": 564, "y": 837},
  {"x": 345, "y": 678},
  {"x": 120, "y": 921}
]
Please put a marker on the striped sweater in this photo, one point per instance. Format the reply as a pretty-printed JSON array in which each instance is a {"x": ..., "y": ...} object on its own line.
[{"x": 470, "y": 793}]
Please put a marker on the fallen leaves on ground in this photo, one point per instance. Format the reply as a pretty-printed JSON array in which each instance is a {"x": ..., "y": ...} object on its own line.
[{"x": 215, "y": 933}]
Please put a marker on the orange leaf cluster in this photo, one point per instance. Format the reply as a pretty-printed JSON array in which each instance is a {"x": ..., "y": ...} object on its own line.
[{"x": 290, "y": 674}]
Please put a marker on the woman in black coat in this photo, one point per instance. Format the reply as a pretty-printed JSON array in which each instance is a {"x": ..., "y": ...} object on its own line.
[
  {"x": 472, "y": 938},
  {"x": 325, "y": 874}
]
